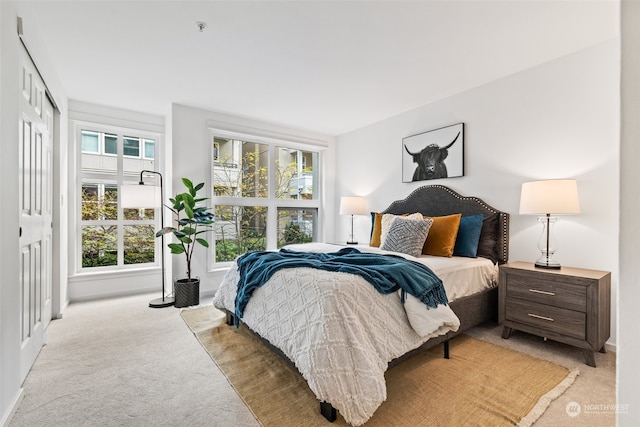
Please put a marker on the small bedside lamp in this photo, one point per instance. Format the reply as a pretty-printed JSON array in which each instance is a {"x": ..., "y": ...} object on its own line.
[
  {"x": 352, "y": 206},
  {"x": 554, "y": 196}
]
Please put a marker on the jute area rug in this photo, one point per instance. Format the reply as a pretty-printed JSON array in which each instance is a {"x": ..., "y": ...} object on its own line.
[{"x": 480, "y": 385}]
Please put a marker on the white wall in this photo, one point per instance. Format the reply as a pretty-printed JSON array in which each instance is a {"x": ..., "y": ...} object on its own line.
[
  {"x": 557, "y": 120},
  {"x": 191, "y": 158},
  {"x": 629, "y": 291},
  {"x": 10, "y": 387}
]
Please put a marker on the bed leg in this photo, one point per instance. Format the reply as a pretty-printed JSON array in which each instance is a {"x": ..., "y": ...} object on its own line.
[
  {"x": 446, "y": 349},
  {"x": 328, "y": 411},
  {"x": 230, "y": 318}
]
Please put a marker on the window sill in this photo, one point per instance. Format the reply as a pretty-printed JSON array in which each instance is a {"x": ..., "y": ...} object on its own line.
[
  {"x": 221, "y": 268},
  {"x": 82, "y": 276}
]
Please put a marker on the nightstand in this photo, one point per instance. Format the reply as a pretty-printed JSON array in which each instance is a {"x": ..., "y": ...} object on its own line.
[{"x": 570, "y": 305}]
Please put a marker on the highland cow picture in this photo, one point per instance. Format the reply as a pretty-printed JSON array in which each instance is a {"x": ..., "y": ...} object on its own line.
[{"x": 434, "y": 154}]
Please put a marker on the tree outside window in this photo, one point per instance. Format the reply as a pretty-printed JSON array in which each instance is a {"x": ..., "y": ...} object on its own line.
[{"x": 241, "y": 173}]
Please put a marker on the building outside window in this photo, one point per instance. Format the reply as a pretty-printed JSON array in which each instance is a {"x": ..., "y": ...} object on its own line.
[
  {"x": 113, "y": 237},
  {"x": 266, "y": 195}
]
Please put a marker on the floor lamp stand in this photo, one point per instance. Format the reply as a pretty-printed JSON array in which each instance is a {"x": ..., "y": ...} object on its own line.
[{"x": 164, "y": 301}]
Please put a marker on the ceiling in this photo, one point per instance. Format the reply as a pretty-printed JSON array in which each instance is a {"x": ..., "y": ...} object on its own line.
[{"x": 324, "y": 66}]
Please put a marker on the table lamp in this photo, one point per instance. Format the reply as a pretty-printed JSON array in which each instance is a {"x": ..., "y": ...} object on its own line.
[
  {"x": 546, "y": 198},
  {"x": 352, "y": 206}
]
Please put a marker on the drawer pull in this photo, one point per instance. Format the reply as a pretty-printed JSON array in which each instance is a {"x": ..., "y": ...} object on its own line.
[
  {"x": 537, "y": 291},
  {"x": 540, "y": 317}
]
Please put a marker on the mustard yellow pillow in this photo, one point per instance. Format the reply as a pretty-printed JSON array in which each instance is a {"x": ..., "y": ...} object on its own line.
[
  {"x": 376, "y": 229},
  {"x": 442, "y": 235}
]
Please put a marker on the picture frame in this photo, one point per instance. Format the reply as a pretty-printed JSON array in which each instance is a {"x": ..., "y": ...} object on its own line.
[{"x": 434, "y": 154}]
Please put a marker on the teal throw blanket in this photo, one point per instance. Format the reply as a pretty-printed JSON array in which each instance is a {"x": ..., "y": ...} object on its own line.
[{"x": 387, "y": 273}]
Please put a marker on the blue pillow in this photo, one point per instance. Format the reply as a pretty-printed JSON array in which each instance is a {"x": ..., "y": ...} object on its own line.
[{"x": 468, "y": 236}]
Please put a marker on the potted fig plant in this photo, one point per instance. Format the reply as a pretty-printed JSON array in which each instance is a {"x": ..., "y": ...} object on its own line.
[{"x": 192, "y": 222}]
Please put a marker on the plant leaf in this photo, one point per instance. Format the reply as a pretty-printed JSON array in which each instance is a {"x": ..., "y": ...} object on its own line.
[
  {"x": 188, "y": 211},
  {"x": 189, "y": 230},
  {"x": 165, "y": 230},
  {"x": 203, "y": 242},
  {"x": 176, "y": 248},
  {"x": 188, "y": 200},
  {"x": 187, "y": 183}
]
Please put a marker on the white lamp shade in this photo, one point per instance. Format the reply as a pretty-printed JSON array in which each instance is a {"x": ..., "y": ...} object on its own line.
[
  {"x": 353, "y": 206},
  {"x": 140, "y": 196},
  {"x": 553, "y": 196}
]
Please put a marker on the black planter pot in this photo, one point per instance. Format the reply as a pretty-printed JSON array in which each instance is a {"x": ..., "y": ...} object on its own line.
[{"x": 186, "y": 292}]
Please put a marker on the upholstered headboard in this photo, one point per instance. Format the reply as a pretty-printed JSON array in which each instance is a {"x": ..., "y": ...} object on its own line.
[{"x": 438, "y": 200}]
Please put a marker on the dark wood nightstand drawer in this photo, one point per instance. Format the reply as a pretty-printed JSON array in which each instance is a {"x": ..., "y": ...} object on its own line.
[
  {"x": 553, "y": 319},
  {"x": 570, "y": 305},
  {"x": 557, "y": 294}
]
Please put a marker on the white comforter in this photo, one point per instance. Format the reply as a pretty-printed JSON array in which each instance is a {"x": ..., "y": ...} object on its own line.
[{"x": 338, "y": 330}]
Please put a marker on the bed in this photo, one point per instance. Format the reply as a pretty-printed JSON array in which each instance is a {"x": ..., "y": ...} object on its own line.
[{"x": 342, "y": 335}]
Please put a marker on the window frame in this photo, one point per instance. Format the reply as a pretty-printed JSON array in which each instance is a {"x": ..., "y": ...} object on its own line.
[
  {"x": 103, "y": 181},
  {"x": 271, "y": 203}
]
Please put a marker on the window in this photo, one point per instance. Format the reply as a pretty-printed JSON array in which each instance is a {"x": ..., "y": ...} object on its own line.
[
  {"x": 266, "y": 195},
  {"x": 295, "y": 225},
  {"x": 131, "y": 146},
  {"x": 112, "y": 237},
  {"x": 90, "y": 142},
  {"x": 149, "y": 149},
  {"x": 110, "y": 144},
  {"x": 294, "y": 178},
  {"x": 239, "y": 229}
]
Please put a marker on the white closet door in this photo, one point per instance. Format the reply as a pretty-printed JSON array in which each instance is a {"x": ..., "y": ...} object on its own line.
[{"x": 35, "y": 178}]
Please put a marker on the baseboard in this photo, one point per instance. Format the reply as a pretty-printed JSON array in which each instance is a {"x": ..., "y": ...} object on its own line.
[
  {"x": 610, "y": 347},
  {"x": 58, "y": 315},
  {"x": 12, "y": 410}
]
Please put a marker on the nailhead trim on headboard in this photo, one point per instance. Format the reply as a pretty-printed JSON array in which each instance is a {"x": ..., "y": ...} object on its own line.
[{"x": 438, "y": 200}]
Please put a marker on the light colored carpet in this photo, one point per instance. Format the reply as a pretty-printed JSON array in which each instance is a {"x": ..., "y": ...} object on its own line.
[
  {"x": 118, "y": 362},
  {"x": 482, "y": 383}
]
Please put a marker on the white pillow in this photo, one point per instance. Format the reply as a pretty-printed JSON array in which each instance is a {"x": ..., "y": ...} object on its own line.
[{"x": 386, "y": 221}]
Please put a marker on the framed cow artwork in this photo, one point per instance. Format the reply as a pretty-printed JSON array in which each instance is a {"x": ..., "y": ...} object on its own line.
[{"x": 434, "y": 154}]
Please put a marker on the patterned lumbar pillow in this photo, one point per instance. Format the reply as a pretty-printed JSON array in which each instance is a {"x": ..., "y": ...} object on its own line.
[
  {"x": 387, "y": 220},
  {"x": 407, "y": 235}
]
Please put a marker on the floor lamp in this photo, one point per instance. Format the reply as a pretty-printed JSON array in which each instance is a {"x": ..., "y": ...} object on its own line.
[{"x": 148, "y": 196}]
